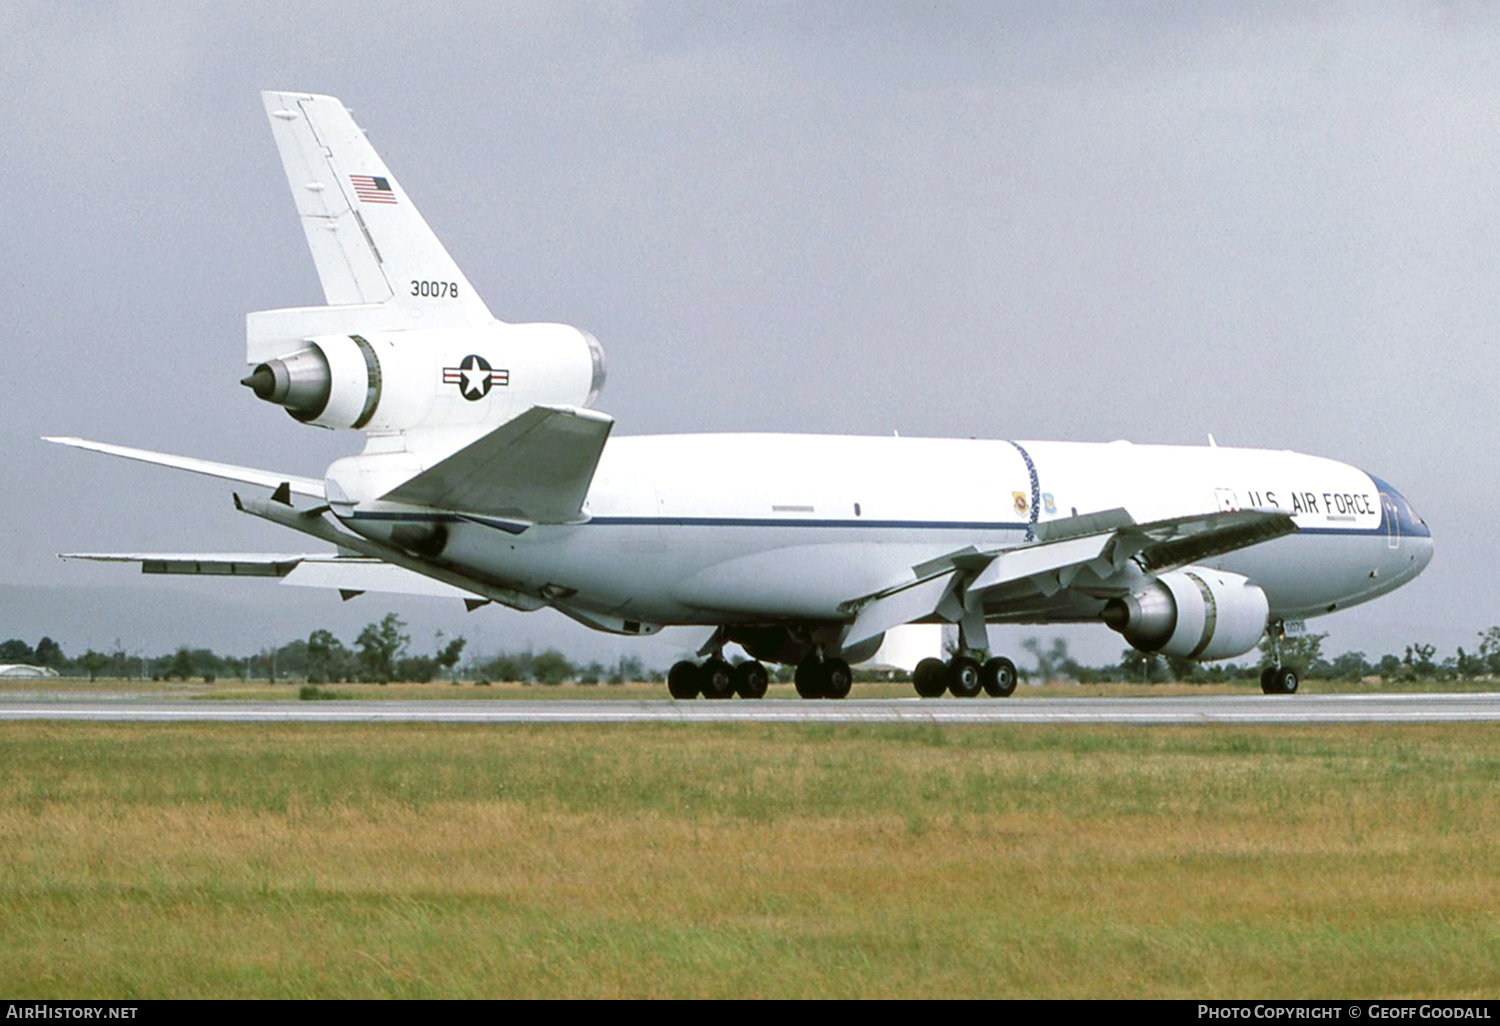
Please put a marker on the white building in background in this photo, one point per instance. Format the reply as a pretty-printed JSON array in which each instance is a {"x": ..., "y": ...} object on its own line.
[
  {"x": 907, "y": 645},
  {"x": 23, "y": 671}
]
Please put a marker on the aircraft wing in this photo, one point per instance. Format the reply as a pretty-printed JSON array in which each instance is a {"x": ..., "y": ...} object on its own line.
[
  {"x": 351, "y": 575},
  {"x": 956, "y": 587},
  {"x": 537, "y": 467}
]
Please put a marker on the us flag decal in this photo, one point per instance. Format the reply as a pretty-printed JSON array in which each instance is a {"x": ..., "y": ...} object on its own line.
[{"x": 372, "y": 189}]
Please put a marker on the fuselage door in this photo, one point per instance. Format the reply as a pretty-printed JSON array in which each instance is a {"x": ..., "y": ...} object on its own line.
[{"x": 1392, "y": 521}]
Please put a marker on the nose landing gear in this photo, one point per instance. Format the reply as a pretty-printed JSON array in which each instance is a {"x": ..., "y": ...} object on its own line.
[{"x": 1277, "y": 679}]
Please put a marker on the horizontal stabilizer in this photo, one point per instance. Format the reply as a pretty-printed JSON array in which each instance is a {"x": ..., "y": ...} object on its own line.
[
  {"x": 308, "y": 570},
  {"x": 537, "y": 467},
  {"x": 227, "y": 471},
  {"x": 210, "y": 564}
]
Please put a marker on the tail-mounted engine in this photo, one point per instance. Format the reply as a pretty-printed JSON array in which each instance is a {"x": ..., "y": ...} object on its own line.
[
  {"x": 1192, "y": 613},
  {"x": 450, "y": 377}
]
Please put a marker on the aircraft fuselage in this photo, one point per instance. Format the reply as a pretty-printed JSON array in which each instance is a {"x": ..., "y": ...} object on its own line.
[{"x": 686, "y": 529}]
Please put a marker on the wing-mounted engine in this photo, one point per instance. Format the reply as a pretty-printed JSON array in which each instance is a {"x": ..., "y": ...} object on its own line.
[
  {"x": 450, "y": 378},
  {"x": 1192, "y": 613}
]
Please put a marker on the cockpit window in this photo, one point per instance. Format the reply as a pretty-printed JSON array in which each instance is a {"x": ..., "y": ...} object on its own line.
[{"x": 1412, "y": 526}]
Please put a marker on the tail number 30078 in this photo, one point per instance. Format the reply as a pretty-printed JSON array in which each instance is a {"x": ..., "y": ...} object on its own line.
[{"x": 435, "y": 289}]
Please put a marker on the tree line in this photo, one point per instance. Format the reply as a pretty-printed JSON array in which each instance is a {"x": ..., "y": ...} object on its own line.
[
  {"x": 1305, "y": 651},
  {"x": 381, "y": 653}
]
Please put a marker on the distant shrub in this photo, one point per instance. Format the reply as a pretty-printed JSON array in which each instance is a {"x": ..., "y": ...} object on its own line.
[{"x": 313, "y": 693}]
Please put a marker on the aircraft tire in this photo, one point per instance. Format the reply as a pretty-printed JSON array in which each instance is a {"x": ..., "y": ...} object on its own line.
[
  {"x": 683, "y": 680},
  {"x": 964, "y": 680},
  {"x": 1281, "y": 681},
  {"x": 715, "y": 677},
  {"x": 750, "y": 680},
  {"x": 930, "y": 678},
  {"x": 998, "y": 677},
  {"x": 811, "y": 679},
  {"x": 837, "y": 679}
]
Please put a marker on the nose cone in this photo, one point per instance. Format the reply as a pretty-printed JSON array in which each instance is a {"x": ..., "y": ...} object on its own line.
[{"x": 1405, "y": 531}]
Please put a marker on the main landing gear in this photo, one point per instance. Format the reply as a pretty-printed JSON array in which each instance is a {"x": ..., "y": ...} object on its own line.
[
  {"x": 964, "y": 677},
  {"x": 717, "y": 678},
  {"x": 823, "y": 678},
  {"x": 1277, "y": 679}
]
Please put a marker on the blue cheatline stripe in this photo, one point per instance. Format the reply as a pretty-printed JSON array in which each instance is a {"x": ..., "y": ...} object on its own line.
[
  {"x": 919, "y": 525},
  {"x": 974, "y": 525},
  {"x": 966, "y": 525}
]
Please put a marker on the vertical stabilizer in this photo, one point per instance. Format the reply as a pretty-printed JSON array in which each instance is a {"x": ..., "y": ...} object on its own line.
[{"x": 369, "y": 243}]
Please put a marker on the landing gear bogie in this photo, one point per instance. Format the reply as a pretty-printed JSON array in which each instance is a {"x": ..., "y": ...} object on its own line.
[
  {"x": 716, "y": 679},
  {"x": 823, "y": 678},
  {"x": 964, "y": 677}
]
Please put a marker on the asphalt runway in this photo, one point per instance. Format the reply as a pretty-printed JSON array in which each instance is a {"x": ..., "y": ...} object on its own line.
[{"x": 1205, "y": 709}]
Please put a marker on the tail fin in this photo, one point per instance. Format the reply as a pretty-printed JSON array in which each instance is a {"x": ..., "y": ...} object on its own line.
[{"x": 371, "y": 246}]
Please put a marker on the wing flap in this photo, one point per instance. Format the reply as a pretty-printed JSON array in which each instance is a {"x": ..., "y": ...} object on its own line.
[
  {"x": 1101, "y": 543},
  {"x": 1030, "y": 560},
  {"x": 537, "y": 467},
  {"x": 914, "y": 602},
  {"x": 1187, "y": 540}
]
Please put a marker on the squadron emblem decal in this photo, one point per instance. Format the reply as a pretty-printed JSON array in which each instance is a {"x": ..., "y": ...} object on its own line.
[{"x": 474, "y": 377}]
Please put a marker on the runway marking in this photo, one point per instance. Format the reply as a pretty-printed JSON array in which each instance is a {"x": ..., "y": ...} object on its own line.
[{"x": 1210, "y": 709}]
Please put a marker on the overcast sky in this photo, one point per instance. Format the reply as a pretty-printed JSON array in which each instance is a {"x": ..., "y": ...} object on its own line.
[{"x": 1276, "y": 223}]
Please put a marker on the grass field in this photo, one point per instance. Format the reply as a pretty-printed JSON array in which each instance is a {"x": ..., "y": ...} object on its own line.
[{"x": 711, "y": 861}]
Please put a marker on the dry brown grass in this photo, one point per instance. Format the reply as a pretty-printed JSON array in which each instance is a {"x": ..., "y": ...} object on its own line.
[{"x": 295, "y": 861}]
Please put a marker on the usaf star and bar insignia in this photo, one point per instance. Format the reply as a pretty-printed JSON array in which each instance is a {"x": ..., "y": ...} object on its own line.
[{"x": 475, "y": 377}]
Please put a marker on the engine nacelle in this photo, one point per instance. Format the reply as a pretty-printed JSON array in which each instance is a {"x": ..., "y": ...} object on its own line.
[
  {"x": 432, "y": 378},
  {"x": 1192, "y": 613}
]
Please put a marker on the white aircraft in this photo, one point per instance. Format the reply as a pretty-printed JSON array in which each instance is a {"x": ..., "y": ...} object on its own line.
[{"x": 486, "y": 475}]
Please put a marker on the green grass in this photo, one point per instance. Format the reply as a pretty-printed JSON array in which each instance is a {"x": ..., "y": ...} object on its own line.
[{"x": 748, "y": 860}]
